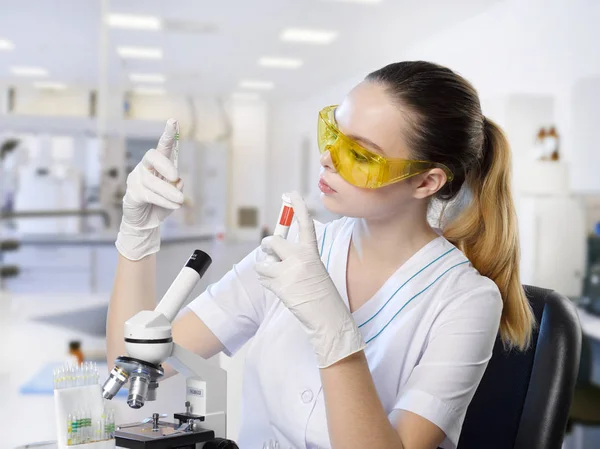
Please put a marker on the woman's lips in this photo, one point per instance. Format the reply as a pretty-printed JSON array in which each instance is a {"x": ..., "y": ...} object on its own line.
[{"x": 324, "y": 187}]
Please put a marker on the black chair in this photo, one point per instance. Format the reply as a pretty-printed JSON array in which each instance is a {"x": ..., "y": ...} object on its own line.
[
  {"x": 524, "y": 398},
  {"x": 585, "y": 408}
]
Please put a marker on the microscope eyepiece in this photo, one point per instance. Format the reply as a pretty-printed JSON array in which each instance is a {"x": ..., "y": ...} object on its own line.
[{"x": 199, "y": 261}]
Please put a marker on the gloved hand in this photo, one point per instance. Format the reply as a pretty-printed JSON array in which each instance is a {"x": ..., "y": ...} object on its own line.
[
  {"x": 154, "y": 190},
  {"x": 302, "y": 283}
]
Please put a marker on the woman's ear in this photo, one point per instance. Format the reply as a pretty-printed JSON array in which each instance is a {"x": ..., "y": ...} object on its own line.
[{"x": 428, "y": 183}]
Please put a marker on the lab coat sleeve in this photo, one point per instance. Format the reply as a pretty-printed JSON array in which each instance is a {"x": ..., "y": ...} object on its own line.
[
  {"x": 459, "y": 348},
  {"x": 234, "y": 307}
]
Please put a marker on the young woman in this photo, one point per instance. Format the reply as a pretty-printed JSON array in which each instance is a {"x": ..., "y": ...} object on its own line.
[{"x": 374, "y": 330}]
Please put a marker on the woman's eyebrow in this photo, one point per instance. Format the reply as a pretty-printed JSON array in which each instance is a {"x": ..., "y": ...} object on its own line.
[
  {"x": 365, "y": 142},
  {"x": 360, "y": 139}
]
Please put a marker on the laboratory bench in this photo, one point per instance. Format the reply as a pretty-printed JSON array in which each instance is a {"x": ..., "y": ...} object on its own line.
[{"x": 86, "y": 263}]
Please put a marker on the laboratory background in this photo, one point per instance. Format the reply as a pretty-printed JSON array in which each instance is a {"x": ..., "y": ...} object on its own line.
[{"x": 87, "y": 86}]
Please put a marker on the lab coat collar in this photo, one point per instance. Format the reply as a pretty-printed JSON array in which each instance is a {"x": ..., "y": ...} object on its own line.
[{"x": 401, "y": 288}]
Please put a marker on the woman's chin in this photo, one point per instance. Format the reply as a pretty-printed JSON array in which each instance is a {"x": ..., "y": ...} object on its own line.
[{"x": 335, "y": 205}]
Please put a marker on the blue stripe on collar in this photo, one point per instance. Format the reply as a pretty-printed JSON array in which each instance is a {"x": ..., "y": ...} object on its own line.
[
  {"x": 329, "y": 255},
  {"x": 323, "y": 241},
  {"x": 408, "y": 302},
  {"x": 409, "y": 279}
]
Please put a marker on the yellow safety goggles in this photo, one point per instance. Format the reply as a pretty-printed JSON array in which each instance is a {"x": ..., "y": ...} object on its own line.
[{"x": 361, "y": 167}]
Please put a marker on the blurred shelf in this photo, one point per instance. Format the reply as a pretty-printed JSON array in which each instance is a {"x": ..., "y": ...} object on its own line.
[{"x": 87, "y": 125}]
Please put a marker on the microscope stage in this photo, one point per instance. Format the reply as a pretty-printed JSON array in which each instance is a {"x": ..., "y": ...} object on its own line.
[{"x": 142, "y": 436}]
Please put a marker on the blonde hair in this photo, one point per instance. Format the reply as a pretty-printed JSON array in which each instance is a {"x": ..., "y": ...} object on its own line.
[
  {"x": 486, "y": 231},
  {"x": 447, "y": 126}
]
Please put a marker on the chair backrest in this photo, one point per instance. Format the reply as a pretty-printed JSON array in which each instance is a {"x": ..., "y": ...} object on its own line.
[{"x": 524, "y": 398}]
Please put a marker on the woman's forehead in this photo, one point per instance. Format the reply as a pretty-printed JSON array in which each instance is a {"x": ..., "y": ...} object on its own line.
[{"x": 368, "y": 113}]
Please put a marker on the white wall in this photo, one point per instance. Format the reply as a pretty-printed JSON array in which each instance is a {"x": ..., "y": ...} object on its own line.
[
  {"x": 585, "y": 140},
  {"x": 520, "y": 47},
  {"x": 248, "y": 162}
]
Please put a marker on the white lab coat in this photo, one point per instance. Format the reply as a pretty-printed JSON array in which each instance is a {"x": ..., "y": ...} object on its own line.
[{"x": 429, "y": 331}]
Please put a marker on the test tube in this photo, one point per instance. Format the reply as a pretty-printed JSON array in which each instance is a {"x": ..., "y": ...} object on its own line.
[
  {"x": 286, "y": 214},
  {"x": 176, "y": 146},
  {"x": 88, "y": 373},
  {"x": 81, "y": 427},
  {"x": 88, "y": 427},
  {"x": 69, "y": 429},
  {"x": 74, "y": 429},
  {"x": 111, "y": 424},
  {"x": 103, "y": 420}
]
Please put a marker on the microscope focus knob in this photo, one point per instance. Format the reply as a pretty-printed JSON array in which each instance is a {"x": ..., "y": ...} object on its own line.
[{"x": 220, "y": 443}]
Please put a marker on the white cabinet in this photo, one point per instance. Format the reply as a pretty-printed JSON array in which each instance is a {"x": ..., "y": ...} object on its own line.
[
  {"x": 585, "y": 136},
  {"x": 552, "y": 233}
]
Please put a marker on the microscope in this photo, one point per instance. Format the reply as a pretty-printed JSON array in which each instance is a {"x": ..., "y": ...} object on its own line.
[{"x": 149, "y": 343}]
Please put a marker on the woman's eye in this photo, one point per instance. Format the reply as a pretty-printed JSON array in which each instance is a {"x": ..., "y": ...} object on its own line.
[{"x": 359, "y": 157}]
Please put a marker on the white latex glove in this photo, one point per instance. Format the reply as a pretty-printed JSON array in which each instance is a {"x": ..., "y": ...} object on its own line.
[
  {"x": 154, "y": 190},
  {"x": 302, "y": 283}
]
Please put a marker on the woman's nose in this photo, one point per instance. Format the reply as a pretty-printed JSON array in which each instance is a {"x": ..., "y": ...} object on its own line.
[{"x": 326, "y": 161}]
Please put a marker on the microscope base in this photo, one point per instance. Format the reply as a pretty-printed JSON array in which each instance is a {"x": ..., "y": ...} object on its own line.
[{"x": 141, "y": 436}]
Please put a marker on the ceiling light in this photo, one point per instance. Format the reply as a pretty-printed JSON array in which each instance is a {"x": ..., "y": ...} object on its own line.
[
  {"x": 28, "y": 71},
  {"x": 49, "y": 85},
  {"x": 6, "y": 45},
  {"x": 149, "y": 91},
  {"x": 134, "y": 22},
  {"x": 245, "y": 96},
  {"x": 140, "y": 52},
  {"x": 308, "y": 36},
  {"x": 147, "y": 78},
  {"x": 260, "y": 85},
  {"x": 281, "y": 63}
]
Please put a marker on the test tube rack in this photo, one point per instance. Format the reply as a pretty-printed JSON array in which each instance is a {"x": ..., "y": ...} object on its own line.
[{"x": 88, "y": 398}]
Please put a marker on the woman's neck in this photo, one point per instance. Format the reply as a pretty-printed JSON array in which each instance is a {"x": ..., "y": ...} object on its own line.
[{"x": 391, "y": 240}]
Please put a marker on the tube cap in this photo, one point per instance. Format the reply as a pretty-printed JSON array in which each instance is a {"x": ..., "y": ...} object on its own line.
[{"x": 199, "y": 262}]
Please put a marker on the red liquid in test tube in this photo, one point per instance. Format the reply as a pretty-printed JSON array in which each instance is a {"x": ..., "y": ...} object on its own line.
[{"x": 282, "y": 229}]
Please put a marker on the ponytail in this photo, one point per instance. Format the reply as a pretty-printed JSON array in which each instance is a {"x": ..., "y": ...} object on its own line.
[
  {"x": 487, "y": 232},
  {"x": 448, "y": 128}
]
